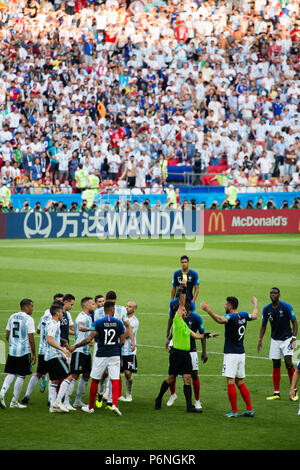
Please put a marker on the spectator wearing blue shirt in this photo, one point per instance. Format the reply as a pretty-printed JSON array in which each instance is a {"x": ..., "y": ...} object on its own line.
[
  {"x": 277, "y": 107},
  {"x": 279, "y": 152}
]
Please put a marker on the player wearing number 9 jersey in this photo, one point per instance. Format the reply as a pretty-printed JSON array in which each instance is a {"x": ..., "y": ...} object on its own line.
[{"x": 234, "y": 353}]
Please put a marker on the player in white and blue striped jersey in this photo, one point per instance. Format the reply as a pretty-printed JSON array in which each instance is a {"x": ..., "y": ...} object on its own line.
[
  {"x": 42, "y": 367},
  {"x": 20, "y": 335},
  {"x": 56, "y": 357},
  {"x": 128, "y": 357},
  {"x": 81, "y": 363}
]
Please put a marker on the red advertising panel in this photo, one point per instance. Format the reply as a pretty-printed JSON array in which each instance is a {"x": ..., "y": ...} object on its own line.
[{"x": 252, "y": 221}]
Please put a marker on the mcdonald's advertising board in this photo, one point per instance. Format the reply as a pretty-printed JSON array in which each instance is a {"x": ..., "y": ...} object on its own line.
[{"x": 251, "y": 221}]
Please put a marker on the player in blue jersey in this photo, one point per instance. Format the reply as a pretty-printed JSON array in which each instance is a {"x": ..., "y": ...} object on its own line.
[
  {"x": 283, "y": 337},
  {"x": 195, "y": 323},
  {"x": 67, "y": 326},
  {"x": 81, "y": 363},
  {"x": 191, "y": 277},
  {"x": 234, "y": 353},
  {"x": 293, "y": 394},
  {"x": 20, "y": 336},
  {"x": 110, "y": 333}
]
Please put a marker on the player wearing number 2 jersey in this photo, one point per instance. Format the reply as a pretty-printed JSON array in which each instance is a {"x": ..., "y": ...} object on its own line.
[
  {"x": 20, "y": 335},
  {"x": 234, "y": 352}
]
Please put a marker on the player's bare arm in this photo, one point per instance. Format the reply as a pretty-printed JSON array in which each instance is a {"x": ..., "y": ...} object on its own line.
[
  {"x": 130, "y": 334},
  {"x": 32, "y": 346},
  {"x": 82, "y": 327},
  {"x": 255, "y": 309},
  {"x": 218, "y": 318},
  {"x": 261, "y": 335},
  {"x": 173, "y": 293},
  {"x": 295, "y": 331},
  {"x": 51, "y": 341},
  {"x": 196, "y": 292},
  {"x": 85, "y": 341}
]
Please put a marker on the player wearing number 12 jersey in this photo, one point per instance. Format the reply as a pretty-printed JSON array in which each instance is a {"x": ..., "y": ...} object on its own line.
[
  {"x": 110, "y": 337},
  {"x": 234, "y": 352}
]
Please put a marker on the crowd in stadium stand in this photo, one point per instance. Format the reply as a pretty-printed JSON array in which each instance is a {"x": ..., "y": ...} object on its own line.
[{"x": 115, "y": 94}]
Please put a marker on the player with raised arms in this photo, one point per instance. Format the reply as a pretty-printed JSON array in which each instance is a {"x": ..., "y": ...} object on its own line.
[
  {"x": 180, "y": 359},
  {"x": 234, "y": 352}
]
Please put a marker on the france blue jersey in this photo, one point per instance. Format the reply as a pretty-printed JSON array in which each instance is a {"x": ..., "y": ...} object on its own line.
[
  {"x": 42, "y": 327},
  {"x": 195, "y": 323},
  {"x": 174, "y": 307},
  {"x": 109, "y": 330},
  {"x": 298, "y": 365},
  {"x": 280, "y": 320},
  {"x": 235, "y": 330},
  {"x": 192, "y": 280}
]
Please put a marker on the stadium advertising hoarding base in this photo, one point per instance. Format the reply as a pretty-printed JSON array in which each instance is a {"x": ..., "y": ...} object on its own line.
[
  {"x": 147, "y": 224},
  {"x": 252, "y": 221}
]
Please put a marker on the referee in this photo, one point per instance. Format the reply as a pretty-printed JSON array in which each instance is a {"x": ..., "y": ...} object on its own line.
[{"x": 179, "y": 359}]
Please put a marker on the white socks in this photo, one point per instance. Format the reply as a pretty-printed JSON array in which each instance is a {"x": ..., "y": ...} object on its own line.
[{"x": 32, "y": 383}]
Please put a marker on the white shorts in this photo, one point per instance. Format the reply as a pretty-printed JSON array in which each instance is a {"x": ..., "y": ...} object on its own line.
[
  {"x": 194, "y": 359},
  {"x": 234, "y": 366},
  {"x": 102, "y": 363},
  {"x": 280, "y": 348}
]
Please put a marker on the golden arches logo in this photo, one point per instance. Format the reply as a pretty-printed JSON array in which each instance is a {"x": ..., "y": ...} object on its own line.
[{"x": 216, "y": 217}]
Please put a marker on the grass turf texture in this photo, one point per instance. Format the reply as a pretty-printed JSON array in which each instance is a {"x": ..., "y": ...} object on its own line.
[{"x": 142, "y": 271}]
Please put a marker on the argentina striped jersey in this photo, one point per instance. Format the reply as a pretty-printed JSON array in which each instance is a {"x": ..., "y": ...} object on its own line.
[
  {"x": 19, "y": 325},
  {"x": 86, "y": 321},
  {"x": 52, "y": 328}
]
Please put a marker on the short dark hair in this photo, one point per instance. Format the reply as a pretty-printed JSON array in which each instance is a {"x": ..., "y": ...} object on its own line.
[
  {"x": 58, "y": 296},
  {"x": 25, "y": 302},
  {"x": 55, "y": 307},
  {"x": 108, "y": 305},
  {"x": 184, "y": 257},
  {"x": 68, "y": 298},
  {"x": 233, "y": 301},
  {"x": 98, "y": 297},
  {"x": 84, "y": 300},
  {"x": 276, "y": 288},
  {"x": 111, "y": 295}
]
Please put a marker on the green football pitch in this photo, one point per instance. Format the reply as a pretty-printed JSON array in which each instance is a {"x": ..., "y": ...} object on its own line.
[{"x": 142, "y": 270}]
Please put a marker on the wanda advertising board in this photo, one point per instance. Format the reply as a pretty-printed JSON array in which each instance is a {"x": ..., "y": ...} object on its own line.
[{"x": 251, "y": 221}]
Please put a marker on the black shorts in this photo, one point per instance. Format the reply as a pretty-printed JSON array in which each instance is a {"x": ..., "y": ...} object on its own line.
[
  {"x": 180, "y": 362},
  {"x": 80, "y": 363},
  {"x": 129, "y": 363},
  {"x": 57, "y": 369},
  {"x": 131, "y": 181},
  {"x": 18, "y": 365},
  {"x": 42, "y": 367}
]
